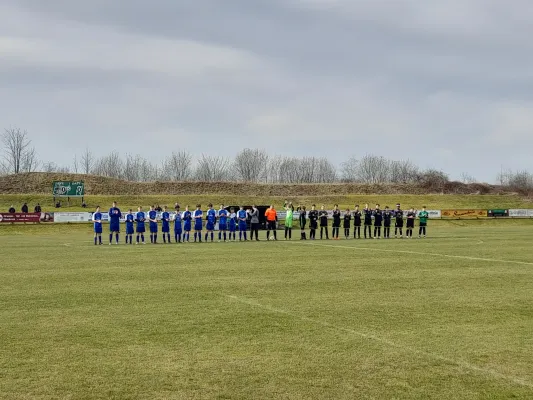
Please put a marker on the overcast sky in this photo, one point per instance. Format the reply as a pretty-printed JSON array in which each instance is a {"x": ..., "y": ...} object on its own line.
[{"x": 446, "y": 84}]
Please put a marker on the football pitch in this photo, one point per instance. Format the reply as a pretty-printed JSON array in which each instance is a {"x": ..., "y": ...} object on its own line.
[{"x": 447, "y": 317}]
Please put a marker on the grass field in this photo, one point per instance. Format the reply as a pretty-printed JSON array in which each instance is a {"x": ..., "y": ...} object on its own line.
[{"x": 447, "y": 317}]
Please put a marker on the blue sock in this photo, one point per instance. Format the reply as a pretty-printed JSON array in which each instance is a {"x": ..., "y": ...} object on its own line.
[
  {"x": 110, "y": 237},
  {"x": 95, "y": 238},
  {"x": 212, "y": 236},
  {"x": 206, "y": 237},
  {"x": 245, "y": 238},
  {"x": 155, "y": 238},
  {"x": 142, "y": 238},
  {"x": 116, "y": 237}
]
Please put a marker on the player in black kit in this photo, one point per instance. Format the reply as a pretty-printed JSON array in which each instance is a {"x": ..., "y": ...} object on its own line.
[
  {"x": 313, "y": 222},
  {"x": 303, "y": 221},
  {"x": 357, "y": 222},
  {"x": 378, "y": 221},
  {"x": 336, "y": 222},
  {"x": 398, "y": 225},
  {"x": 387, "y": 217},
  {"x": 323, "y": 216},
  {"x": 346, "y": 225},
  {"x": 411, "y": 216},
  {"x": 367, "y": 213}
]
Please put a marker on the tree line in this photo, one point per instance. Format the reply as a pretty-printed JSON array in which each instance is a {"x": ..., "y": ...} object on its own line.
[{"x": 249, "y": 165}]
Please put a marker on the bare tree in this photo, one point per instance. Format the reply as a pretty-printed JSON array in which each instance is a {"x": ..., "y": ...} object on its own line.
[
  {"x": 75, "y": 164},
  {"x": 110, "y": 166},
  {"x": 251, "y": 165},
  {"x": 87, "y": 161},
  {"x": 19, "y": 155},
  {"x": 178, "y": 166},
  {"x": 349, "y": 170},
  {"x": 373, "y": 169},
  {"x": 467, "y": 178},
  {"x": 51, "y": 167},
  {"x": 212, "y": 169},
  {"x": 403, "y": 171}
]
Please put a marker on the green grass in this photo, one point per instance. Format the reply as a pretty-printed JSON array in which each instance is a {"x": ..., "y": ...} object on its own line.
[
  {"x": 448, "y": 317},
  {"x": 125, "y": 202}
]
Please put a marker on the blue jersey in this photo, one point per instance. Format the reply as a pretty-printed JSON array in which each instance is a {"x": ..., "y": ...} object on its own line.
[
  {"x": 152, "y": 215},
  {"x": 187, "y": 217},
  {"x": 140, "y": 218},
  {"x": 198, "y": 219},
  {"x": 177, "y": 222},
  {"x": 223, "y": 217},
  {"x": 97, "y": 218},
  {"x": 114, "y": 215},
  {"x": 232, "y": 222},
  {"x": 241, "y": 215},
  {"x": 165, "y": 218},
  {"x": 129, "y": 224},
  {"x": 211, "y": 216}
]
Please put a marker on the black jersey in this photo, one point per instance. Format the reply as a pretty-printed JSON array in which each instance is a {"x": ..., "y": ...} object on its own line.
[
  {"x": 323, "y": 215},
  {"x": 357, "y": 218},
  {"x": 398, "y": 214},
  {"x": 347, "y": 219},
  {"x": 378, "y": 217},
  {"x": 336, "y": 218},
  {"x": 303, "y": 215},
  {"x": 313, "y": 218},
  {"x": 387, "y": 217},
  {"x": 367, "y": 212}
]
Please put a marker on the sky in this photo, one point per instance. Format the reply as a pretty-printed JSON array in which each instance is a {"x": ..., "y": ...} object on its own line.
[{"x": 448, "y": 85}]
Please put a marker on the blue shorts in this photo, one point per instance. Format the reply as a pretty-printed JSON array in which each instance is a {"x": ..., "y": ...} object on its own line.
[
  {"x": 222, "y": 227},
  {"x": 232, "y": 228},
  {"x": 177, "y": 230},
  {"x": 210, "y": 226},
  {"x": 141, "y": 228},
  {"x": 242, "y": 226},
  {"x": 114, "y": 227},
  {"x": 98, "y": 229},
  {"x": 187, "y": 227},
  {"x": 153, "y": 227},
  {"x": 198, "y": 227},
  {"x": 165, "y": 228},
  {"x": 129, "y": 230}
]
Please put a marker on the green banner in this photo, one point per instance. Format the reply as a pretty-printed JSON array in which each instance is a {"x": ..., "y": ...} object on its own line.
[
  {"x": 68, "y": 189},
  {"x": 498, "y": 213}
]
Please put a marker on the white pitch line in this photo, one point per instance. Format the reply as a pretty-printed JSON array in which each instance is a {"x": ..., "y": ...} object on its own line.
[
  {"x": 369, "y": 336},
  {"x": 495, "y": 260}
]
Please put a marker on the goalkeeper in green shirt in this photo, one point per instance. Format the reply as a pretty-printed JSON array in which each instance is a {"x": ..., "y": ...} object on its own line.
[{"x": 423, "y": 217}]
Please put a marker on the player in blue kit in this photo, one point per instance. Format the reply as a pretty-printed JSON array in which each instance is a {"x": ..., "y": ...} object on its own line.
[
  {"x": 222, "y": 222},
  {"x": 232, "y": 225},
  {"x": 152, "y": 218},
  {"x": 241, "y": 217},
  {"x": 130, "y": 218},
  {"x": 97, "y": 219},
  {"x": 165, "y": 225},
  {"x": 187, "y": 222},
  {"x": 211, "y": 219},
  {"x": 178, "y": 230},
  {"x": 114, "y": 222},
  {"x": 198, "y": 224},
  {"x": 141, "y": 228}
]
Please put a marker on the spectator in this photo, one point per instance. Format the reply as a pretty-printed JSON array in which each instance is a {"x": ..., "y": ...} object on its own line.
[
  {"x": 24, "y": 208},
  {"x": 38, "y": 208},
  {"x": 58, "y": 204},
  {"x": 12, "y": 210},
  {"x": 84, "y": 204},
  {"x": 254, "y": 222},
  {"x": 176, "y": 207},
  {"x": 158, "y": 208}
]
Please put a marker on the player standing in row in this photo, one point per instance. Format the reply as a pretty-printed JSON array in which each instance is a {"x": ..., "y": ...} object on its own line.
[
  {"x": 289, "y": 209},
  {"x": 242, "y": 216},
  {"x": 187, "y": 224},
  {"x": 211, "y": 220},
  {"x": 140, "y": 217},
  {"x": 336, "y": 222},
  {"x": 357, "y": 222},
  {"x": 178, "y": 229},
  {"x": 302, "y": 219},
  {"x": 323, "y": 215},
  {"x": 398, "y": 225},
  {"x": 378, "y": 221},
  {"x": 387, "y": 218},
  {"x": 411, "y": 216},
  {"x": 97, "y": 220},
  {"x": 198, "y": 223},
  {"x": 114, "y": 222},
  {"x": 232, "y": 224},
  {"x": 222, "y": 222},
  {"x": 165, "y": 225},
  {"x": 152, "y": 219},
  {"x": 271, "y": 215},
  {"x": 367, "y": 213},
  {"x": 347, "y": 221},
  {"x": 423, "y": 216},
  {"x": 130, "y": 219},
  {"x": 313, "y": 223}
]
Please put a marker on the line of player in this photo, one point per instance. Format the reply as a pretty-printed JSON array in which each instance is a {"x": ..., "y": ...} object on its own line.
[{"x": 232, "y": 221}]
